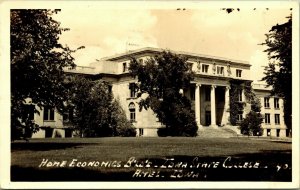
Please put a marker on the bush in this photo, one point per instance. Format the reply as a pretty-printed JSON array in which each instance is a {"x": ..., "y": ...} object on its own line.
[
  {"x": 162, "y": 132},
  {"x": 120, "y": 123},
  {"x": 251, "y": 125}
]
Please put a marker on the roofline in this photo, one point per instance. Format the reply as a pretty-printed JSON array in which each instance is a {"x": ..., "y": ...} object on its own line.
[{"x": 158, "y": 50}]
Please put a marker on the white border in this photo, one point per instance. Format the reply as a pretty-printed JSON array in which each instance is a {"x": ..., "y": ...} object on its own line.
[{"x": 5, "y": 95}]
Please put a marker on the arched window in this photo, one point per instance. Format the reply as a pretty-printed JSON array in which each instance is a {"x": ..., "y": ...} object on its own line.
[{"x": 132, "y": 111}]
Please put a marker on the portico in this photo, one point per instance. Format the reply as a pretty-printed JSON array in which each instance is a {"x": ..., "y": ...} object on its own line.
[{"x": 211, "y": 105}]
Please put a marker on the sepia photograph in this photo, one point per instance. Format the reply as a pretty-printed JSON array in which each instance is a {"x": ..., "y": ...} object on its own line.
[{"x": 150, "y": 94}]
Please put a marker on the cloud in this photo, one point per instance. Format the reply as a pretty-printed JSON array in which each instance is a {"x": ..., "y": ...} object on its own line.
[{"x": 105, "y": 32}]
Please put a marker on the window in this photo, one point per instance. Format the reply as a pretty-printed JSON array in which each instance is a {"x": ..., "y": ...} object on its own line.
[
  {"x": 277, "y": 119},
  {"x": 220, "y": 70},
  {"x": 207, "y": 94},
  {"x": 132, "y": 112},
  {"x": 141, "y": 131},
  {"x": 132, "y": 89},
  {"x": 48, "y": 113},
  {"x": 277, "y": 132},
  {"x": 276, "y": 103},
  {"x": 267, "y": 118},
  {"x": 238, "y": 73},
  {"x": 240, "y": 117},
  {"x": 192, "y": 93},
  {"x": 29, "y": 112},
  {"x": 240, "y": 95},
  {"x": 267, "y": 102},
  {"x": 268, "y": 132},
  {"x": 205, "y": 68},
  {"x": 124, "y": 67}
]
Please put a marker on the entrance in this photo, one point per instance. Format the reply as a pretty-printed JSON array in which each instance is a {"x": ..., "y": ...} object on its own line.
[{"x": 207, "y": 118}]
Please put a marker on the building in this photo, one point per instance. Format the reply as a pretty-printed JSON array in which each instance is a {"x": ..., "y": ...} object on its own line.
[
  {"x": 272, "y": 110},
  {"x": 209, "y": 93}
]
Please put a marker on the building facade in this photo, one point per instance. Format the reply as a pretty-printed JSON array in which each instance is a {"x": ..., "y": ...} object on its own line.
[
  {"x": 209, "y": 93},
  {"x": 272, "y": 111}
]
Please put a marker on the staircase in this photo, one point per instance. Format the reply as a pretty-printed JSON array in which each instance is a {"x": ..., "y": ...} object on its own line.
[{"x": 220, "y": 132}]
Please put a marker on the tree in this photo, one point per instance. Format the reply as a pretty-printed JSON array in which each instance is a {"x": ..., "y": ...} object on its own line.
[
  {"x": 37, "y": 62},
  {"x": 278, "y": 73},
  {"x": 96, "y": 113},
  {"x": 251, "y": 125},
  {"x": 160, "y": 81},
  {"x": 119, "y": 121}
]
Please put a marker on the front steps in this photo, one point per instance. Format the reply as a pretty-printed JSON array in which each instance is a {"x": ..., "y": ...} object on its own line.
[{"x": 220, "y": 132}]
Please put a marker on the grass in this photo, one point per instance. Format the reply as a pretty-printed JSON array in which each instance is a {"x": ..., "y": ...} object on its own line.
[{"x": 26, "y": 157}]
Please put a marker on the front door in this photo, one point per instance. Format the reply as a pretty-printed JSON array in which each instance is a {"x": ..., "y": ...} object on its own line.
[{"x": 207, "y": 118}]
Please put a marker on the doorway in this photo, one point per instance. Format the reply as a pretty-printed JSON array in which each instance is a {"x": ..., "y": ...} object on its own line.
[{"x": 207, "y": 118}]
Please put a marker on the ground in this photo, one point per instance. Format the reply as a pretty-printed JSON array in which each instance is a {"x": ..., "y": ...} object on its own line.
[{"x": 144, "y": 159}]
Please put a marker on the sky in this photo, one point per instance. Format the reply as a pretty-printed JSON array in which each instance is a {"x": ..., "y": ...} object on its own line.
[{"x": 105, "y": 32}]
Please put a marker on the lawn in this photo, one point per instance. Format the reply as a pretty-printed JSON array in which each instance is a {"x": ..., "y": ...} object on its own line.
[{"x": 144, "y": 159}]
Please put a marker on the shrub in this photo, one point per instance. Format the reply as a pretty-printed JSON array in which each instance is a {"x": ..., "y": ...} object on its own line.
[{"x": 251, "y": 125}]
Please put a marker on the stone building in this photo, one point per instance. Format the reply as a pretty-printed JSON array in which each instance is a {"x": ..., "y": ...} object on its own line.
[{"x": 209, "y": 93}]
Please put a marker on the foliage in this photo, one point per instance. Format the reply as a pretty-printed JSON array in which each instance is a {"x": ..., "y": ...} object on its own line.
[
  {"x": 236, "y": 107},
  {"x": 119, "y": 121},
  {"x": 160, "y": 79},
  {"x": 251, "y": 125},
  {"x": 37, "y": 62},
  {"x": 278, "y": 73},
  {"x": 96, "y": 114}
]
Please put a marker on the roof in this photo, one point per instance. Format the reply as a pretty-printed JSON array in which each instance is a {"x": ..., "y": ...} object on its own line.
[
  {"x": 261, "y": 87},
  {"x": 158, "y": 50}
]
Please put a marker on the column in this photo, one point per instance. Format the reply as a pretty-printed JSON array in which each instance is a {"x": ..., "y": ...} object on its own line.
[
  {"x": 197, "y": 105},
  {"x": 225, "y": 119},
  {"x": 213, "y": 106}
]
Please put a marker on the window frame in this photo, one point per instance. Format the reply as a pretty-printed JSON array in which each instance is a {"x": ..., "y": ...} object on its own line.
[
  {"x": 267, "y": 102},
  {"x": 267, "y": 118},
  {"x": 268, "y": 132},
  {"x": 238, "y": 73},
  {"x": 124, "y": 67},
  {"x": 132, "y": 90},
  {"x": 132, "y": 112},
  {"x": 141, "y": 131},
  {"x": 277, "y": 119},
  {"x": 240, "y": 95},
  {"x": 220, "y": 70},
  {"x": 240, "y": 117},
  {"x": 204, "y": 68},
  {"x": 276, "y": 103},
  {"x": 48, "y": 113}
]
